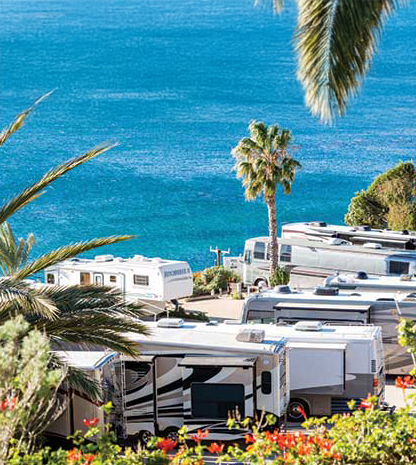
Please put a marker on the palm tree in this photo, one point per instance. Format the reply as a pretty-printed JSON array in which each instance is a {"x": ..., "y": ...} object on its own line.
[
  {"x": 264, "y": 162},
  {"x": 335, "y": 41},
  {"x": 85, "y": 315}
]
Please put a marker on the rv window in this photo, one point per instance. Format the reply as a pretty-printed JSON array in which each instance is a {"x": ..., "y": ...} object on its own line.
[
  {"x": 141, "y": 280},
  {"x": 398, "y": 267},
  {"x": 266, "y": 382},
  {"x": 247, "y": 257},
  {"x": 113, "y": 279},
  {"x": 259, "y": 250},
  {"x": 260, "y": 316},
  {"x": 85, "y": 278},
  {"x": 50, "y": 278},
  {"x": 285, "y": 253},
  {"x": 216, "y": 400}
]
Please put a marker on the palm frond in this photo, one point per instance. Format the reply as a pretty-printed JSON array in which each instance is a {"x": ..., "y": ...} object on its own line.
[
  {"x": 35, "y": 190},
  {"x": 20, "y": 120},
  {"x": 65, "y": 252},
  {"x": 13, "y": 254},
  {"x": 277, "y": 4},
  {"x": 336, "y": 41}
]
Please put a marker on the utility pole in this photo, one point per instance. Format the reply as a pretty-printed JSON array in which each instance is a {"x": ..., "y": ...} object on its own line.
[{"x": 219, "y": 252}]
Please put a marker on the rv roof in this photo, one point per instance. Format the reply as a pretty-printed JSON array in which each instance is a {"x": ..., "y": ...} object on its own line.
[
  {"x": 223, "y": 336},
  {"x": 86, "y": 360}
]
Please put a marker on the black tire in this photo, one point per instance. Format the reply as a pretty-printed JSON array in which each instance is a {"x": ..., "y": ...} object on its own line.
[
  {"x": 171, "y": 433},
  {"x": 144, "y": 437},
  {"x": 293, "y": 414}
]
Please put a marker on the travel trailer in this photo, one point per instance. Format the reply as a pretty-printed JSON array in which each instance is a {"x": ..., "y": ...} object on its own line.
[
  {"x": 334, "y": 255},
  {"x": 361, "y": 282},
  {"x": 100, "y": 366},
  {"x": 141, "y": 279},
  {"x": 284, "y": 305},
  {"x": 357, "y": 235},
  {"x": 195, "y": 374}
]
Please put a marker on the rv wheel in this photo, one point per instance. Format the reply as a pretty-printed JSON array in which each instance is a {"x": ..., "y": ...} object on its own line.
[
  {"x": 145, "y": 437},
  {"x": 293, "y": 413},
  {"x": 171, "y": 433},
  {"x": 261, "y": 283}
]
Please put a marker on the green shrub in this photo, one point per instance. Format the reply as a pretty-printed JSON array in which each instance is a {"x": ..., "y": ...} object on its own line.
[
  {"x": 280, "y": 276},
  {"x": 214, "y": 278}
]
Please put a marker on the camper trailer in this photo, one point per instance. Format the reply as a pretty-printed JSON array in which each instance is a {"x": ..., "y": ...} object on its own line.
[
  {"x": 361, "y": 282},
  {"x": 284, "y": 305},
  {"x": 101, "y": 367},
  {"x": 141, "y": 279},
  {"x": 357, "y": 235},
  {"x": 316, "y": 255},
  {"x": 196, "y": 374}
]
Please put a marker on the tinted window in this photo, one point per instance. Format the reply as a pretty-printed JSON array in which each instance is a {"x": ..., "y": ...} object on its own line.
[
  {"x": 113, "y": 279},
  {"x": 50, "y": 278},
  {"x": 247, "y": 257},
  {"x": 260, "y": 316},
  {"x": 399, "y": 267},
  {"x": 266, "y": 382},
  {"x": 285, "y": 253},
  {"x": 141, "y": 280},
  {"x": 216, "y": 400},
  {"x": 259, "y": 250}
]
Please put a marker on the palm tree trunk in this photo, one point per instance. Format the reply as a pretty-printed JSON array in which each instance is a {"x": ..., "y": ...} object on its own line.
[{"x": 274, "y": 258}]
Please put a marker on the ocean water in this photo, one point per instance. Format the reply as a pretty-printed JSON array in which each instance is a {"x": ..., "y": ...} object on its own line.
[{"x": 176, "y": 84}]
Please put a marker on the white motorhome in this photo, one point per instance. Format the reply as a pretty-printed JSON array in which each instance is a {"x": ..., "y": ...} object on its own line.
[
  {"x": 141, "y": 279},
  {"x": 284, "y": 305},
  {"x": 361, "y": 282},
  {"x": 357, "y": 235},
  {"x": 100, "y": 366},
  {"x": 195, "y": 374},
  {"x": 334, "y": 255}
]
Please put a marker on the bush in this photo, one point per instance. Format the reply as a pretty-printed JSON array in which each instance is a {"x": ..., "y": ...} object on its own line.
[
  {"x": 388, "y": 202},
  {"x": 280, "y": 276},
  {"x": 214, "y": 278}
]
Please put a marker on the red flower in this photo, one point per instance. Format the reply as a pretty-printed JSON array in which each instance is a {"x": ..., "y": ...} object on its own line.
[
  {"x": 303, "y": 449},
  {"x": 88, "y": 459},
  {"x": 337, "y": 456},
  {"x": 200, "y": 435},
  {"x": 166, "y": 444},
  {"x": 249, "y": 438},
  {"x": 404, "y": 383},
  {"x": 215, "y": 448},
  {"x": 367, "y": 403},
  {"x": 91, "y": 422},
  {"x": 8, "y": 404},
  {"x": 301, "y": 411},
  {"x": 74, "y": 455}
]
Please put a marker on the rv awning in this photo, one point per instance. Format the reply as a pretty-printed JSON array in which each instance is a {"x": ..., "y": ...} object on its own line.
[
  {"x": 322, "y": 307},
  {"x": 218, "y": 361},
  {"x": 85, "y": 360}
]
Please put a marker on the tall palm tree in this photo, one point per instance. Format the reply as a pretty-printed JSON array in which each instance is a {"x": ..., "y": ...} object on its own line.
[
  {"x": 85, "y": 315},
  {"x": 264, "y": 162},
  {"x": 335, "y": 41}
]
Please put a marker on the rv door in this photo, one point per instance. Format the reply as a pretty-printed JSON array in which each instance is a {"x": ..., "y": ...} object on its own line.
[{"x": 98, "y": 279}]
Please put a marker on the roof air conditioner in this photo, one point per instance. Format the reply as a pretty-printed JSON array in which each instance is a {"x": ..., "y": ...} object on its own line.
[
  {"x": 251, "y": 335},
  {"x": 326, "y": 291},
  {"x": 372, "y": 245},
  {"x": 104, "y": 258},
  {"x": 170, "y": 323},
  {"x": 308, "y": 326}
]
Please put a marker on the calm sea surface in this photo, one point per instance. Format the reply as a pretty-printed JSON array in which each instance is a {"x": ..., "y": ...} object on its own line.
[{"x": 176, "y": 83}]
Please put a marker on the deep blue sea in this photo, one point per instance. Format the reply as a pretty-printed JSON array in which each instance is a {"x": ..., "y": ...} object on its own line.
[{"x": 176, "y": 83}]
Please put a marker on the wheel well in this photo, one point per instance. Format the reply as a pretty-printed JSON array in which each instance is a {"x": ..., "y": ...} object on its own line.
[{"x": 256, "y": 282}]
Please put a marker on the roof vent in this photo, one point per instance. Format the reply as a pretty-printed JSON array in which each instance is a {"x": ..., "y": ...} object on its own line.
[
  {"x": 336, "y": 241},
  {"x": 405, "y": 232},
  {"x": 104, "y": 258},
  {"x": 251, "y": 335},
  {"x": 363, "y": 228},
  {"x": 282, "y": 289},
  {"x": 326, "y": 291},
  {"x": 361, "y": 275},
  {"x": 320, "y": 224},
  {"x": 308, "y": 326},
  {"x": 138, "y": 257},
  {"x": 372, "y": 245},
  {"x": 170, "y": 323}
]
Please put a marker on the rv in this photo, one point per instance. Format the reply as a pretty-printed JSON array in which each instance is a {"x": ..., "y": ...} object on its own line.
[
  {"x": 361, "y": 282},
  {"x": 100, "y": 366},
  {"x": 328, "y": 305},
  {"x": 153, "y": 281},
  {"x": 357, "y": 235},
  {"x": 334, "y": 255},
  {"x": 196, "y": 374}
]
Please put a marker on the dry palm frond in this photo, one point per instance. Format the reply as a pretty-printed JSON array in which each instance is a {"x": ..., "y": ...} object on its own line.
[
  {"x": 20, "y": 120},
  {"x": 65, "y": 252},
  {"x": 336, "y": 41},
  {"x": 35, "y": 190}
]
